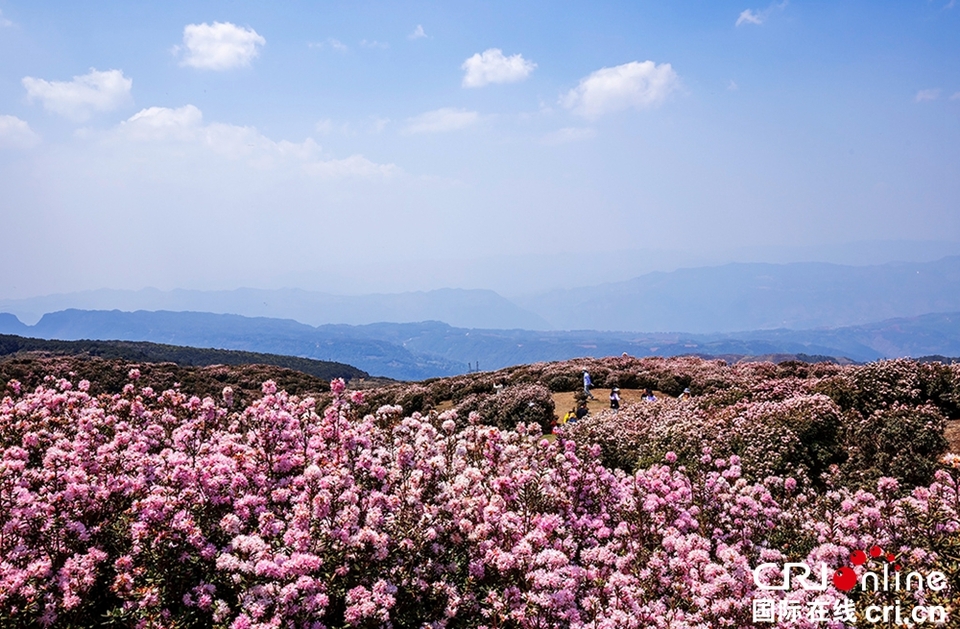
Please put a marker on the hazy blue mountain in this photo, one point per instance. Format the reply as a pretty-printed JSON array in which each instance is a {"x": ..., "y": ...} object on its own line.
[
  {"x": 925, "y": 335},
  {"x": 756, "y": 296},
  {"x": 937, "y": 333},
  {"x": 721, "y": 299},
  {"x": 494, "y": 349},
  {"x": 9, "y": 324},
  {"x": 413, "y": 351},
  {"x": 260, "y": 334},
  {"x": 465, "y": 308}
]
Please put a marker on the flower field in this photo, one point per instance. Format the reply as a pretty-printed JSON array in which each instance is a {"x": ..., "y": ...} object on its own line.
[{"x": 150, "y": 508}]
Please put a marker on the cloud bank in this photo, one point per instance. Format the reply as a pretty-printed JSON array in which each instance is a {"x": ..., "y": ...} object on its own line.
[
  {"x": 16, "y": 133},
  {"x": 79, "y": 98},
  {"x": 185, "y": 125}
]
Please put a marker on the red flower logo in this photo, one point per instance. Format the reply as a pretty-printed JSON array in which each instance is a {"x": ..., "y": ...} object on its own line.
[{"x": 845, "y": 579}]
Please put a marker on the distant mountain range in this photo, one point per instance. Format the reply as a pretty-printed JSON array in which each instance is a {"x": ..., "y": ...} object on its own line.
[
  {"x": 756, "y": 296},
  {"x": 343, "y": 344},
  {"x": 464, "y": 308},
  {"x": 704, "y": 300},
  {"x": 415, "y": 351}
]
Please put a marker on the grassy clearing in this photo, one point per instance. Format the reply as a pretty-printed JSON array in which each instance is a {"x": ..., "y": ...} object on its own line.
[{"x": 952, "y": 433}]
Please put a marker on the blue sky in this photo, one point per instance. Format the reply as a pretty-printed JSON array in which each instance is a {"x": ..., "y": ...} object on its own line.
[{"x": 354, "y": 146}]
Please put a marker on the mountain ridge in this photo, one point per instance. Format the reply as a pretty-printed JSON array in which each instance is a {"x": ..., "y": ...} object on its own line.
[
  {"x": 751, "y": 296},
  {"x": 701, "y": 300},
  {"x": 415, "y": 351},
  {"x": 462, "y": 307}
]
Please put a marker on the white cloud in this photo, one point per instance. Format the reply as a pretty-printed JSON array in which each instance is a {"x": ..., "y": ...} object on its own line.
[
  {"x": 185, "y": 126},
  {"x": 16, "y": 133},
  {"x": 219, "y": 46},
  {"x": 956, "y": 96},
  {"x": 749, "y": 16},
  {"x": 77, "y": 99},
  {"x": 925, "y": 95},
  {"x": 374, "y": 44},
  {"x": 4, "y": 22},
  {"x": 732, "y": 86},
  {"x": 336, "y": 44},
  {"x": 440, "y": 120},
  {"x": 569, "y": 134},
  {"x": 635, "y": 84},
  {"x": 162, "y": 123},
  {"x": 491, "y": 66},
  {"x": 417, "y": 33}
]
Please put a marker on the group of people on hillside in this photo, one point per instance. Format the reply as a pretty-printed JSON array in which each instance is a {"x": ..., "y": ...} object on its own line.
[
  {"x": 580, "y": 410},
  {"x": 615, "y": 392},
  {"x": 588, "y": 384}
]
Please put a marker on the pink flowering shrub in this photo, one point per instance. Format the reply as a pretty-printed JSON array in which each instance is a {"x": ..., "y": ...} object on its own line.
[
  {"x": 111, "y": 375},
  {"x": 519, "y": 404},
  {"x": 161, "y": 509},
  {"x": 800, "y": 436},
  {"x": 880, "y": 385},
  {"x": 670, "y": 375},
  {"x": 882, "y": 419}
]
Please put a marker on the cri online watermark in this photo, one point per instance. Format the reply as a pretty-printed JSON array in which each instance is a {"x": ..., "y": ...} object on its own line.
[{"x": 789, "y": 576}]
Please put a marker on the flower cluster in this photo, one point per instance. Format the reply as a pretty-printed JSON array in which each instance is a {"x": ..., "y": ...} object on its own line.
[
  {"x": 854, "y": 424},
  {"x": 161, "y": 509}
]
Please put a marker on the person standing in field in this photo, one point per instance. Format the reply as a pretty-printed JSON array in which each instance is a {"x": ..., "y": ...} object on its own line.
[
  {"x": 615, "y": 399},
  {"x": 587, "y": 383}
]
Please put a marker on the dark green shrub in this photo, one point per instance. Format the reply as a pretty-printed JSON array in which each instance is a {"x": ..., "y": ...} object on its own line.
[{"x": 901, "y": 441}]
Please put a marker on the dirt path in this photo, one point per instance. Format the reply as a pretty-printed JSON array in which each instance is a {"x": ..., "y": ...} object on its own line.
[{"x": 952, "y": 433}]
